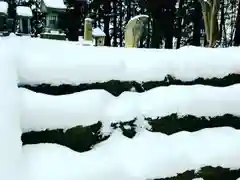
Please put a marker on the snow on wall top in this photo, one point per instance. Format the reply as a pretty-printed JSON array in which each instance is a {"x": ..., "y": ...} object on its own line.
[
  {"x": 167, "y": 156},
  {"x": 57, "y": 4},
  {"x": 24, "y": 11},
  {"x": 3, "y": 7},
  {"x": 97, "y": 32},
  {"x": 88, "y": 107},
  {"x": 67, "y": 63}
]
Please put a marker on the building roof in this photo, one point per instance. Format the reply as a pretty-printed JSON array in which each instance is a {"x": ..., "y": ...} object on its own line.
[
  {"x": 56, "y": 4},
  {"x": 97, "y": 32},
  {"x": 3, "y": 7},
  {"x": 24, "y": 11}
]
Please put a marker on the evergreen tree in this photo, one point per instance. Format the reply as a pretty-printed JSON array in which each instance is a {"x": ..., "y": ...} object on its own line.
[{"x": 75, "y": 16}]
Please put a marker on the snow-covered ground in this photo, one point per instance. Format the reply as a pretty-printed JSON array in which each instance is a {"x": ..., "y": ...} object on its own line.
[{"x": 147, "y": 155}]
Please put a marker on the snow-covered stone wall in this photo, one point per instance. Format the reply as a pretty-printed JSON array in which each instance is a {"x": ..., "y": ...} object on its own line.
[{"x": 122, "y": 133}]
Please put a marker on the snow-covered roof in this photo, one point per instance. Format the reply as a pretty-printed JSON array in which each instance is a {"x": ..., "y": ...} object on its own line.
[
  {"x": 24, "y": 11},
  {"x": 97, "y": 32},
  {"x": 3, "y": 7},
  {"x": 57, "y": 4}
]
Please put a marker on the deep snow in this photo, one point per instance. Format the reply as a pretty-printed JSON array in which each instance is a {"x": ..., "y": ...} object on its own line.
[{"x": 147, "y": 155}]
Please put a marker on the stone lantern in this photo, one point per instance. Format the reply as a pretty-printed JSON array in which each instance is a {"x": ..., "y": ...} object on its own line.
[
  {"x": 24, "y": 15},
  {"x": 98, "y": 37}
]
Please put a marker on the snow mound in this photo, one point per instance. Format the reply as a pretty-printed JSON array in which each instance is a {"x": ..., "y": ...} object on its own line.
[
  {"x": 125, "y": 159},
  {"x": 41, "y": 112},
  {"x": 84, "y": 64}
]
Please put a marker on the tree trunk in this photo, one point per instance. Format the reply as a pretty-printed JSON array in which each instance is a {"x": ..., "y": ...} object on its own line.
[
  {"x": 237, "y": 31},
  {"x": 148, "y": 33},
  {"x": 169, "y": 22},
  {"x": 107, "y": 10},
  {"x": 156, "y": 40},
  {"x": 115, "y": 23},
  {"x": 74, "y": 22},
  {"x": 128, "y": 3},
  {"x": 179, "y": 23},
  {"x": 197, "y": 20},
  {"x": 121, "y": 24},
  {"x": 222, "y": 34}
]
